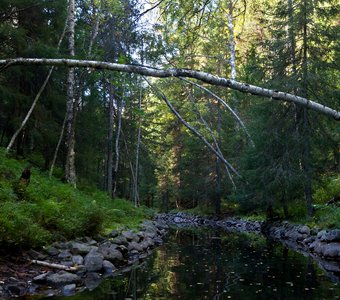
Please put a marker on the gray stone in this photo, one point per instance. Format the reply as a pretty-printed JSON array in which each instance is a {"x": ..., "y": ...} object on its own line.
[
  {"x": 110, "y": 252},
  {"x": 62, "y": 278},
  {"x": 332, "y": 236},
  {"x": 65, "y": 255},
  {"x": 67, "y": 263},
  {"x": 108, "y": 266},
  {"x": 135, "y": 246},
  {"x": 81, "y": 248},
  {"x": 93, "y": 261},
  {"x": 69, "y": 289},
  {"x": 113, "y": 233},
  {"x": 52, "y": 251},
  {"x": 321, "y": 235},
  {"x": 130, "y": 236},
  {"x": 304, "y": 230},
  {"x": 120, "y": 240},
  {"x": 42, "y": 277},
  {"x": 77, "y": 260},
  {"x": 92, "y": 280},
  {"x": 331, "y": 250}
]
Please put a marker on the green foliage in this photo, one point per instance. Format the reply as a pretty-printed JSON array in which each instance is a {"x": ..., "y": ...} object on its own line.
[
  {"x": 329, "y": 188},
  {"x": 52, "y": 210}
]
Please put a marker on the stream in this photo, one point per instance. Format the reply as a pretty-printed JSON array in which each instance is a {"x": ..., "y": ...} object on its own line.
[{"x": 207, "y": 264}]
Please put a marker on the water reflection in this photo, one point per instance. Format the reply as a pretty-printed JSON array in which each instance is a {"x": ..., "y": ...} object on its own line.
[{"x": 216, "y": 265}]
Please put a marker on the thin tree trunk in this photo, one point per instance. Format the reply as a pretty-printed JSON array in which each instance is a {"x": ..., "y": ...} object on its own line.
[
  {"x": 306, "y": 157},
  {"x": 37, "y": 97},
  {"x": 57, "y": 147},
  {"x": 218, "y": 164},
  {"x": 118, "y": 132},
  {"x": 109, "y": 144},
  {"x": 70, "y": 170},
  {"x": 231, "y": 40},
  {"x": 136, "y": 191}
]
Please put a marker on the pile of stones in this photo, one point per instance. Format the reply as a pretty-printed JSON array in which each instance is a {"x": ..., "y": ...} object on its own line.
[{"x": 69, "y": 267}]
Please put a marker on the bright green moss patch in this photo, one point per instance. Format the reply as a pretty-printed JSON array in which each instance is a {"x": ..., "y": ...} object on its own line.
[{"x": 51, "y": 210}]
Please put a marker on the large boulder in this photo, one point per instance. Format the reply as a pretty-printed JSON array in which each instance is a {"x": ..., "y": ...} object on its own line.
[
  {"x": 81, "y": 248},
  {"x": 62, "y": 278},
  {"x": 111, "y": 252},
  {"x": 93, "y": 261}
]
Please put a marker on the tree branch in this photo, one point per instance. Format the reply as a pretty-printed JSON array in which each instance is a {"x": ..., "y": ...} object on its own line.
[
  {"x": 224, "y": 104},
  {"x": 191, "y": 128},
  {"x": 163, "y": 73}
]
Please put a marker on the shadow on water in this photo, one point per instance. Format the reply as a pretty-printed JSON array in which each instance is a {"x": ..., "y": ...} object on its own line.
[{"x": 218, "y": 265}]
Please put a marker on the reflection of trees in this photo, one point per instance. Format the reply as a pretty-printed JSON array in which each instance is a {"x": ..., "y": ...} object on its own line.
[{"x": 215, "y": 265}]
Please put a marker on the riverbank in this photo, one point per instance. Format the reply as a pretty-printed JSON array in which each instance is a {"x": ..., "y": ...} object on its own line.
[
  {"x": 65, "y": 268},
  {"x": 323, "y": 245}
]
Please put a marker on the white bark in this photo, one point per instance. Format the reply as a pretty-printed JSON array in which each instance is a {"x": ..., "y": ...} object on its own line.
[
  {"x": 216, "y": 143},
  {"x": 237, "y": 118},
  {"x": 232, "y": 60},
  {"x": 70, "y": 172},
  {"x": 164, "y": 73},
  {"x": 109, "y": 146},
  {"x": 136, "y": 192},
  {"x": 119, "y": 128}
]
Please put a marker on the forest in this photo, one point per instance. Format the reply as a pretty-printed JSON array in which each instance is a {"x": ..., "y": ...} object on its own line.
[{"x": 204, "y": 105}]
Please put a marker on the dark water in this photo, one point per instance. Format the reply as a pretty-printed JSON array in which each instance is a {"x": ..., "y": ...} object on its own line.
[{"x": 216, "y": 265}]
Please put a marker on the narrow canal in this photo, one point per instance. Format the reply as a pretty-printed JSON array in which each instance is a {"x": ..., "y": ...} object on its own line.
[{"x": 218, "y": 265}]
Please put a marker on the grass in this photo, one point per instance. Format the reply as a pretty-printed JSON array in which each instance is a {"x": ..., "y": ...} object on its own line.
[{"x": 49, "y": 210}]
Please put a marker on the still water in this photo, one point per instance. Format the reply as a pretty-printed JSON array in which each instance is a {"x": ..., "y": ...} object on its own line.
[{"x": 219, "y": 265}]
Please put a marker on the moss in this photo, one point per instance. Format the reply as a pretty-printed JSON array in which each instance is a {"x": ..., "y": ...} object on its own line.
[{"x": 53, "y": 210}]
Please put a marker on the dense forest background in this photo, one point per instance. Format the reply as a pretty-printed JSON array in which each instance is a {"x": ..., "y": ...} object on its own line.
[{"x": 119, "y": 130}]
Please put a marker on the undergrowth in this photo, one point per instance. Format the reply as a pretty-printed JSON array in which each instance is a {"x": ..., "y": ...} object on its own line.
[{"x": 50, "y": 210}]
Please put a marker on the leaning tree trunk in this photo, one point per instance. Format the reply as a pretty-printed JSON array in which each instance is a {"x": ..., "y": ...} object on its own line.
[
  {"x": 37, "y": 97},
  {"x": 70, "y": 169}
]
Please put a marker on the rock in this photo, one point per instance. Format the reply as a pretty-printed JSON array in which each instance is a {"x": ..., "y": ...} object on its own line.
[
  {"x": 135, "y": 246},
  {"x": 52, "y": 251},
  {"x": 62, "y": 278},
  {"x": 16, "y": 290},
  {"x": 93, "y": 261},
  {"x": 108, "y": 267},
  {"x": 36, "y": 255},
  {"x": 81, "y": 248},
  {"x": 304, "y": 230},
  {"x": 42, "y": 277},
  {"x": 158, "y": 241},
  {"x": 332, "y": 236},
  {"x": 120, "y": 240},
  {"x": 130, "y": 236},
  {"x": 113, "y": 233},
  {"x": 321, "y": 235},
  {"x": 92, "y": 280},
  {"x": 67, "y": 263},
  {"x": 110, "y": 252},
  {"x": 331, "y": 250},
  {"x": 65, "y": 255},
  {"x": 69, "y": 289},
  {"x": 77, "y": 260}
]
